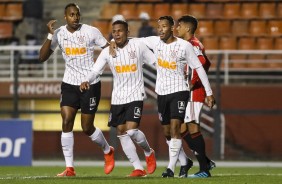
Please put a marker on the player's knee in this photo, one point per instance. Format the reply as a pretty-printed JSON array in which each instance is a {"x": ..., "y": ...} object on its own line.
[{"x": 132, "y": 132}]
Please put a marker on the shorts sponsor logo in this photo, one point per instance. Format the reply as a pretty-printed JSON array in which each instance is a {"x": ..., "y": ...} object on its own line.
[
  {"x": 110, "y": 117},
  {"x": 92, "y": 101},
  {"x": 137, "y": 112},
  {"x": 181, "y": 105},
  {"x": 160, "y": 117}
]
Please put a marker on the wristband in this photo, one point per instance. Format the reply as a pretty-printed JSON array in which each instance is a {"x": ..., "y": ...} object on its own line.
[{"x": 50, "y": 36}]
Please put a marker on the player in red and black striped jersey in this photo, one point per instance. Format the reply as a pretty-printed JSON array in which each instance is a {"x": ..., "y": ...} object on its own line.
[{"x": 191, "y": 132}]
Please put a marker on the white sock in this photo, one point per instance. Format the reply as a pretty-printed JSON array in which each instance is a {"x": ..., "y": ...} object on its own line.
[
  {"x": 67, "y": 142},
  {"x": 174, "y": 148},
  {"x": 130, "y": 151},
  {"x": 98, "y": 138},
  {"x": 138, "y": 136},
  {"x": 182, "y": 157}
]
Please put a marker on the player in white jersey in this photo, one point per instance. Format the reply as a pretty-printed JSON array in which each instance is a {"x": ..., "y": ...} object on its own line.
[
  {"x": 173, "y": 54},
  {"x": 128, "y": 94},
  {"x": 77, "y": 42}
]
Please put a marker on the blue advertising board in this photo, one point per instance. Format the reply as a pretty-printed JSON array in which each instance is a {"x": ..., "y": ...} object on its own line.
[{"x": 15, "y": 142}]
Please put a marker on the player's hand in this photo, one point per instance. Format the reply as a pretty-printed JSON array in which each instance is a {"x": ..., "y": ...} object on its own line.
[
  {"x": 50, "y": 26},
  {"x": 210, "y": 101},
  {"x": 84, "y": 86},
  {"x": 112, "y": 49}
]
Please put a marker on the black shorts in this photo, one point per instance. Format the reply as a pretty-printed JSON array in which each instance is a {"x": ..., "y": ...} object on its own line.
[
  {"x": 119, "y": 114},
  {"x": 87, "y": 100},
  {"x": 172, "y": 106}
]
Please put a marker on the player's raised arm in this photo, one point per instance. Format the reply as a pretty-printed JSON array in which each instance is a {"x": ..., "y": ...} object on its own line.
[{"x": 46, "y": 50}]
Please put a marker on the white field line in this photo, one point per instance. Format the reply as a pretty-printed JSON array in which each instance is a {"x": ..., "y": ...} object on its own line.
[
  {"x": 159, "y": 163},
  {"x": 46, "y": 177}
]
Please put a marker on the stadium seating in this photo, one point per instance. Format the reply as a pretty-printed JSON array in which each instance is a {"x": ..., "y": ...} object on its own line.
[
  {"x": 222, "y": 27},
  {"x": 257, "y": 28},
  {"x": 205, "y": 28},
  {"x": 275, "y": 27},
  {"x": 267, "y": 10},
  {"x": 161, "y": 10},
  {"x": 214, "y": 10},
  {"x": 6, "y": 30},
  {"x": 240, "y": 27},
  {"x": 128, "y": 10},
  {"x": 197, "y": 10},
  {"x": 178, "y": 10},
  {"x": 109, "y": 10},
  {"x": 103, "y": 26},
  {"x": 145, "y": 8},
  {"x": 14, "y": 11},
  {"x": 228, "y": 43},
  {"x": 249, "y": 10},
  {"x": 231, "y": 10}
]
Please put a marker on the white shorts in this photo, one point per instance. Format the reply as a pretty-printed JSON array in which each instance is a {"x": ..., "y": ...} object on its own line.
[{"x": 193, "y": 111}]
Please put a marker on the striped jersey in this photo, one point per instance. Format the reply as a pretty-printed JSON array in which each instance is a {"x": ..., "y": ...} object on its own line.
[
  {"x": 78, "y": 51},
  {"x": 127, "y": 71},
  {"x": 172, "y": 58}
]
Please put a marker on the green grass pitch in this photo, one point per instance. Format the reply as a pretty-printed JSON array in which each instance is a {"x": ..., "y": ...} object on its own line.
[{"x": 95, "y": 175}]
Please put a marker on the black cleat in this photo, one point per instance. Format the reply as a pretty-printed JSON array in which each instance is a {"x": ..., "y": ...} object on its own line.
[
  {"x": 168, "y": 173},
  {"x": 211, "y": 165},
  {"x": 185, "y": 168}
]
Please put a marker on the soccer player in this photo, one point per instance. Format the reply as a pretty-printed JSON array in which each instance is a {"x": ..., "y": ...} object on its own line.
[
  {"x": 127, "y": 95},
  {"x": 187, "y": 25},
  {"x": 173, "y": 54},
  {"x": 77, "y": 42}
]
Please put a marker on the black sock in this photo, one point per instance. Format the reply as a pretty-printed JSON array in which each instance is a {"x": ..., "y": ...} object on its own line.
[{"x": 200, "y": 150}]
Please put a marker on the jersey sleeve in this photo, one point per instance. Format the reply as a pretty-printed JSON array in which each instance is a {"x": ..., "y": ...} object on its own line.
[
  {"x": 150, "y": 42},
  {"x": 54, "y": 41},
  {"x": 99, "y": 66},
  {"x": 147, "y": 54},
  {"x": 100, "y": 40},
  {"x": 191, "y": 56}
]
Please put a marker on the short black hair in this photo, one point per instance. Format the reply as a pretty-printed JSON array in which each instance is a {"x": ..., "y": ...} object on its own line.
[
  {"x": 190, "y": 19},
  {"x": 71, "y": 5},
  {"x": 168, "y": 18},
  {"x": 124, "y": 23}
]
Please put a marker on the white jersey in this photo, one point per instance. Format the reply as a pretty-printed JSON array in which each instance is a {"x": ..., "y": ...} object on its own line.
[
  {"x": 127, "y": 71},
  {"x": 78, "y": 51},
  {"x": 172, "y": 59}
]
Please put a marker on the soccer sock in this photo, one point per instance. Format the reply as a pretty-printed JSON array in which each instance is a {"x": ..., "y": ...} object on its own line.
[
  {"x": 67, "y": 142},
  {"x": 174, "y": 148},
  {"x": 182, "y": 157},
  {"x": 138, "y": 136},
  {"x": 200, "y": 150},
  {"x": 130, "y": 151},
  {"x": 99, "y": 139}
]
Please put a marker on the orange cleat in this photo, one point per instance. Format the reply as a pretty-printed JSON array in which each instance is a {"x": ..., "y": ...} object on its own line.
[
  {"x": 138, "y": 173},
  {"x": 68, "y": 172},
  {"x": 109, "y": 161},
  {"x": 151, "y": 162}
]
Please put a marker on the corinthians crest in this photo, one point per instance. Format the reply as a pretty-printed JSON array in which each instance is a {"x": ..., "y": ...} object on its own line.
[
  {"x": 80, "y": 39},
  {"x": 172, "y": 54},
  {"x": 132, "y": 54}
]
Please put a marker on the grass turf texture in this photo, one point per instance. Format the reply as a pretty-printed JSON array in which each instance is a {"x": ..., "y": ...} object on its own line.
[{"x": 85, "y": 175}]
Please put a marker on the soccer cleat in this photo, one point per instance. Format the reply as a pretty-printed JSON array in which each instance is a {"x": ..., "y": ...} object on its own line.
[
  {"x": 138, "y": 173},
  {"x": 168, "y": 173},
  {"x": 68, "y": 172},
  {"x": 211, "y": 165},
  {"x": 151, "y": 162},
  {"x": 200, "y": 174},
  {"x": 109, "y": 161},
  {"x": 185, "y": 168}
]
